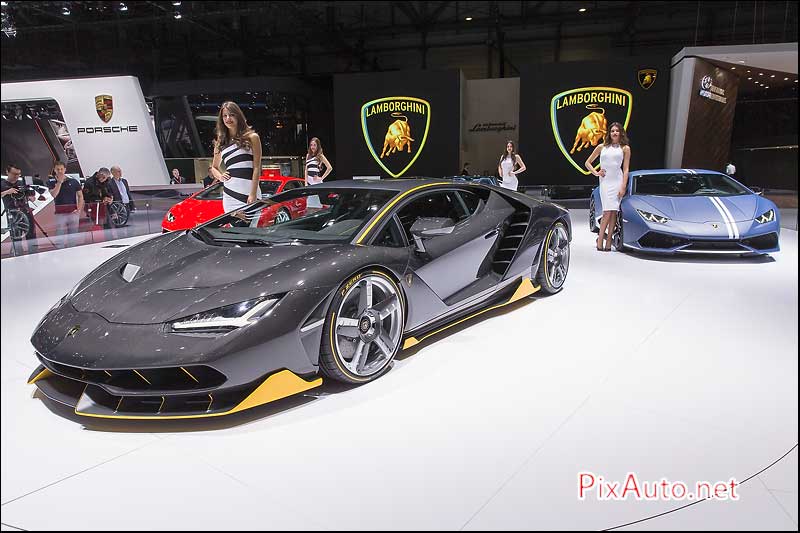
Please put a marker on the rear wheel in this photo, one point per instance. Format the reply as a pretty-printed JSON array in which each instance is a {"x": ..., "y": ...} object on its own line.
[
  {"x": 363, "y": 329},
  {"x": 593, "y": 217},
  {"x": 554, "y": 263}
]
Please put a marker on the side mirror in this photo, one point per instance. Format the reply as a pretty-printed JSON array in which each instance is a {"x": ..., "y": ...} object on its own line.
[
  {"x": 757, "y": 190},
  {"x": 427, "y": 227}
]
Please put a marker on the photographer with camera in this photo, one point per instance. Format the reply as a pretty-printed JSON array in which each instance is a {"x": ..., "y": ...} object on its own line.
[
  {"x": 68, "y": 202},
  {"x": 15, "y": 195},
  {"x": 98, "y": 196}
]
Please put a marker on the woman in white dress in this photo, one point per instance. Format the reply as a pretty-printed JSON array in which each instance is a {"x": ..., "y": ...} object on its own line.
[
  {"x": 505, "y": 168},
  {"x": 240, "y": 149},
  {"x": 615, "y": 157},
  {"x": 314, "y": 159}
]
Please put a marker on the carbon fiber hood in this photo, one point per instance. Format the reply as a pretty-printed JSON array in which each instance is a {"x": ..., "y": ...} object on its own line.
[{"x": 181, "y": 276}]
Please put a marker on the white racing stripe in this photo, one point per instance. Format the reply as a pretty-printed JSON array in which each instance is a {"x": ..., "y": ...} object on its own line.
[
  {"x": 714, "y": 200},
  {"x": 730, "y": 217}
]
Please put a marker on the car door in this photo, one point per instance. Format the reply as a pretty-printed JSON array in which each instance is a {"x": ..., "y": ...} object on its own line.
[{"x": 452, "y": 261}]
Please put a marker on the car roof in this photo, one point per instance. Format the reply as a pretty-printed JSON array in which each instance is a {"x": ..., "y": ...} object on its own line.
[
  {"x": 651, "y": 172},
  {"x": 394, "y": 184}
]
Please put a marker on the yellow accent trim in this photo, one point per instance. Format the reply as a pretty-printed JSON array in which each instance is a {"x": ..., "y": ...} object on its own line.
[
  {"x": 44, "y": 374},
  {"x": 189, "y": 374},
  {"x": 141, "y": 376},
  {"x": 391, "y": 204},
  {"x": 279, "y": 385},
  {"x": 525, "y": 288}
]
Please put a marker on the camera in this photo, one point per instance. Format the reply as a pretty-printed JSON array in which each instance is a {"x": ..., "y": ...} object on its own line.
[{"x": 25, "y": 191}]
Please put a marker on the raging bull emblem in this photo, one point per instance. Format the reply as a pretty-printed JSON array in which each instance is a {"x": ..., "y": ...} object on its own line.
[
  {"x": 592, "y": 129},
  {"x": 389, "y": 122},
  {"x": 398, "y": 136},
  {"x": 580, "y": 119},
  {"x": 647, "y": 77}
]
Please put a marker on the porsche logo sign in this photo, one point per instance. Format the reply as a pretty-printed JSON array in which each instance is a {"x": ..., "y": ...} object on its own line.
[
  {"x": 580, "y": 119},
  {"x": 104, "y": 104},
  {"x": 395, "y": 129}
]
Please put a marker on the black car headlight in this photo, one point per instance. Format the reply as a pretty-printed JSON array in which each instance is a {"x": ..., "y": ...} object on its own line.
[
  {"x": 769, "y": 216},
  {"x": 650, "y": 217},
  {"x": 227, "y": 318}
]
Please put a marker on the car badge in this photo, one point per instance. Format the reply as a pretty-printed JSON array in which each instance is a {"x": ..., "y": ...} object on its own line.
[
  {"x": 73, "y": 330},
  {"x": 647, "y": 77},
  {"x": 409, "y": 278}
]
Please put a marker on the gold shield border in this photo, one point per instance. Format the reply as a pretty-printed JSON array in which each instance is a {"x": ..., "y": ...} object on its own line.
[
  {"x": 554, "y": 120},
  {"x": 369, "y": 142}
]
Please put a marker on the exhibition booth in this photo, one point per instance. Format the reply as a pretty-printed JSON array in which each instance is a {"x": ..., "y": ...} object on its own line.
[{"x": 427, "y": 353}]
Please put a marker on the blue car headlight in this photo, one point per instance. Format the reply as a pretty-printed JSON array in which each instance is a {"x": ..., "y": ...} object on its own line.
[
  {"x": 769, "y": 216},
  {"x": 650, "y": 217},
  {"x": 227, "y": 318}
]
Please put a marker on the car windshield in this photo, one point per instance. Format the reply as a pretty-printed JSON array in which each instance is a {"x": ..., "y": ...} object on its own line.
[
  {"x": 680, "y": 184},
  {"x": 214, "y": 192},
  {"x": 318, "y": 215}
]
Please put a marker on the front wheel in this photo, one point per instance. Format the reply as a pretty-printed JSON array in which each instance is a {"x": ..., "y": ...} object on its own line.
[
  {"x": 554, "y": 261},
  {"x": 363, "y": 328},
  {"x": 118, "y": 214}
]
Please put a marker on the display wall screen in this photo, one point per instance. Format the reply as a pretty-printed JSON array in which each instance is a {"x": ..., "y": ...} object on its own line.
[
  {"x": 397, "y": 124},
  {"x": 566, "y": 109}
]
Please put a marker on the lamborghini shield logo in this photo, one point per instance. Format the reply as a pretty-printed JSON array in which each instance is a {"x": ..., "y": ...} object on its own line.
[
  {"x": 395, "y": 129},
  {"x": 580, "y": 119},
  {"x": 104, "y": 104},
  {"x": 647, "y": 77}
]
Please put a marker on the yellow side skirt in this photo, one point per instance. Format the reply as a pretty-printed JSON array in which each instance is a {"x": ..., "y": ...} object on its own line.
[
  {"x": 279, "y": 385},
  {"x": 526, "y": 288}
]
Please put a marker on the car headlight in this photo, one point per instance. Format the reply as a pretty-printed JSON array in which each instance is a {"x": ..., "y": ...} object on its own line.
[
  {"x": 226, "y": 318},
  {"x": 650, "y": 217},
  {"x": 170, "y": 217},
  {"x": 769, "y": 216}
]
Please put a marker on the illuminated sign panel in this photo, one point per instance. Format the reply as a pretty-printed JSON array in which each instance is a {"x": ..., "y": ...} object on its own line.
[{"x": 399, "y": 125}]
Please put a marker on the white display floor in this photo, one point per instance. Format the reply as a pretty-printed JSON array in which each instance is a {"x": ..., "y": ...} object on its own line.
[{"x": 684, "y": 369}]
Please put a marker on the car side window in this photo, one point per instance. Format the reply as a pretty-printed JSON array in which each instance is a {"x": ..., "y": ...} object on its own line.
[
  {"x": 391, "y": 235},
  {"x": 212, "y": 193},
  {"x": 473, "y": 201},
  {"x": 292, "y": 185},
  {"x": 445, "y": 204}
]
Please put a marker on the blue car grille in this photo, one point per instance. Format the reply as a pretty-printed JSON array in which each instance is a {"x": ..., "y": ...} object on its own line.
[
  {"x": 652, "y": 239},
  {"x": 763, "y": 242}
]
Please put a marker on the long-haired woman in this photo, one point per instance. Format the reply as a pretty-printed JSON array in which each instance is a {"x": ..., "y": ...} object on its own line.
[
  {"x": 615, "y": 157},
  {"x": 239, "y": 147},
  {"x": 509, "y": 166},
  {"x": 315, "y": 158}
]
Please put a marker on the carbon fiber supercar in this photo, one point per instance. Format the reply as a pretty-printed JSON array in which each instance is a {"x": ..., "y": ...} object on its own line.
[{"x": 233, "y": 314}]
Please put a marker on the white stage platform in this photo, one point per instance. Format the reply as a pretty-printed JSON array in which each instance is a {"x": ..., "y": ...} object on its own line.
[{"x": 684, "y": 369}]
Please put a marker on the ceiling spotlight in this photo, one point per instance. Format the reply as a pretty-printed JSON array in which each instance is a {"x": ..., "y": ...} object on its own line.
[
  {"x": 733, "y": 68},
  {"x": 582, "y": 10},
  {"x": 177, "y": 15},
  {"x": 785, "y": 79},
  {"x": 749, "y": 78},
  {"x": 748, "y": 72},
  {"x": 176, "y": 4},
  {"x": 767, "y": 87},
  {"x": 741, "y": 61},
  {"x": 760, "y": 73},
  {"x": 467, "y": 18},
  {"x": 4, "y": 4},
  {"x": 65, "y": 11},
  {"x": 122, "y": 6},
  {"x": 772, "y": 76}
]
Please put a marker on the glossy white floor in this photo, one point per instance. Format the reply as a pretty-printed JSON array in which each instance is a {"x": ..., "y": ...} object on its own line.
[{"x": 678, "y": 369}]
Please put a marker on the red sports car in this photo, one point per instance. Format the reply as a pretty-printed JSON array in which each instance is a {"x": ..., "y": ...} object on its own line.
[{"x": 204, "y": 205}]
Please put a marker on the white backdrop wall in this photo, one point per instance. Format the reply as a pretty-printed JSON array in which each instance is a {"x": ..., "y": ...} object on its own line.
[
  {"x": 490, "y": 119},
  {"x": 137, "y": 152}
]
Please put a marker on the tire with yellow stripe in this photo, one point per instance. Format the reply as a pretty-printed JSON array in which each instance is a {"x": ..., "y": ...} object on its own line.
[
  {"x": 348, "y": 327},
  {"x": 554, "y": 260}
]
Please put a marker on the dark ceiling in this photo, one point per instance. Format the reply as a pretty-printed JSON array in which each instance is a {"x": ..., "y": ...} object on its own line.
[{"x": 240, "y": 39}]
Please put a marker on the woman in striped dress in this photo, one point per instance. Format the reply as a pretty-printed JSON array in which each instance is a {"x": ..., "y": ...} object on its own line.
[
  {"x": 239, "y": 147},
  {"x": 315, "y": 158}
]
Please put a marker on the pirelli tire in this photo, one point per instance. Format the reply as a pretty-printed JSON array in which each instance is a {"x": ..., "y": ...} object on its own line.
[
  {"x": 554, "y": 261},
  {"x": 363, "y": 328}
]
